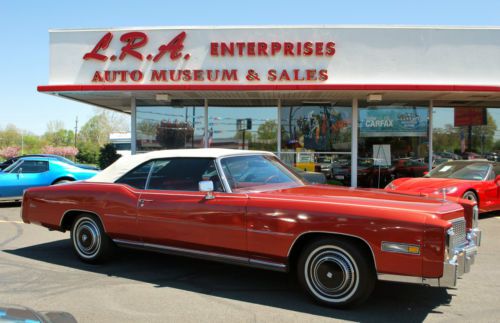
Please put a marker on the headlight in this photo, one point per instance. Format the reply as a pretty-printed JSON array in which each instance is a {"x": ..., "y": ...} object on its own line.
[
  {"x": 391, "y": 186},
  {"x": 446, "y": 190}
]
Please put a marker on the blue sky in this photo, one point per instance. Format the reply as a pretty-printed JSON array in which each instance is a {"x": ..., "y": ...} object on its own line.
[{"x": 24, "y": 48}]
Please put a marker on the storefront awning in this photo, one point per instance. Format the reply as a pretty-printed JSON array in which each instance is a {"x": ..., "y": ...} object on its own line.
[{"x": 118, "y": 97}]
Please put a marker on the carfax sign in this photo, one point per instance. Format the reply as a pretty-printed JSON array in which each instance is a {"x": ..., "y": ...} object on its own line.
[{"x": 393, "y": 121}]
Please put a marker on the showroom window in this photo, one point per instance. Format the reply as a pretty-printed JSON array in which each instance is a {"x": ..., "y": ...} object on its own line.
[
  {"x": 169, "y": 127},
  {"x": 317, "y": 138},
  {"x": 465, "y": 133},
  {"x": 248, "y": 128},
  {"x": 392, "y": 143}
]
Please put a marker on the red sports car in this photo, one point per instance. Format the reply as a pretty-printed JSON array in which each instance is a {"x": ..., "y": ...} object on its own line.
[
  {"x": 468, "y": 179},
  {"x": 248, "y": 208}
]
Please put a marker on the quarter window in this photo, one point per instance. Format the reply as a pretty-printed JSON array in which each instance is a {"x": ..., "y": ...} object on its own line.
[
  {"x": 183, "y": 174},
  {"x": 138, "y": 176},
  {"x": 31, "y": 167}
]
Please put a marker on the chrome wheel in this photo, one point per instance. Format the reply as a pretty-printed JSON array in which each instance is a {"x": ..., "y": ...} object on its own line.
[
  {"x": 331, "y": 274},
  {"x": 86, "y": 237},
  {"x": 469, "y": 195}
]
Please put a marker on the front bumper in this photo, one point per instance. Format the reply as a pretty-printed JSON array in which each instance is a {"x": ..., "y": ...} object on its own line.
[{"x": 459, "y": 261}]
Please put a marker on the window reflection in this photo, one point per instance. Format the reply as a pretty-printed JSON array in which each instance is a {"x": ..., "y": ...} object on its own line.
[
  {"x": 253, "y": 128},
  {"x": 169, "y": 127},
  {"x": 465, "y": 133}
]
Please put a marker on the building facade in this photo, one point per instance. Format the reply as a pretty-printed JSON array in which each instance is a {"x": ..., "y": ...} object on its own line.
[{"x": 362, "y": 104}]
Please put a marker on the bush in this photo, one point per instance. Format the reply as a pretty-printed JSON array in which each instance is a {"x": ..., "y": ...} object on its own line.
[
  {"x": 9, "y": 152},
  {"x": 107, "y": 156},
  {"x": 88, "y": 153}
]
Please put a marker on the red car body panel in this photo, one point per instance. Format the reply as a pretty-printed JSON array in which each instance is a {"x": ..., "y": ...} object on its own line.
[
  {"x": 488, "y": 191},
  {"x": 258, "y": 225}
]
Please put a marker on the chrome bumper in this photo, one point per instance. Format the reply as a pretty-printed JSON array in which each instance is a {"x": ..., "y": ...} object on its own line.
[{"x": 459, "y": 261}]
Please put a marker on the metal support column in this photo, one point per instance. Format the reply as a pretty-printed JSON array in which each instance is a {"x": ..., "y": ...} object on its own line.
[
  {"x": 205, "y": 121},
  {"x": 278, "y": 146},
  {"x": 354, "y": 144},
  {"x": 431, "y": 150},
  {"x": 133, "y": 126}
]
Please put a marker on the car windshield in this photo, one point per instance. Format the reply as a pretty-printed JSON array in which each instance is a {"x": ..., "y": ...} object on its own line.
[
  {"x": 461, "y": 170},
  {"x": 255, "y": 172},
  {"x": 12, "y": 166}
]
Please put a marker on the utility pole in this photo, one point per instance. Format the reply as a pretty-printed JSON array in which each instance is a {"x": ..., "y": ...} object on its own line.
[{"x": 76, "y": 129}]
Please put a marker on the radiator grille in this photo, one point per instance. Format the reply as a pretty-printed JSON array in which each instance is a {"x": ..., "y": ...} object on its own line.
[{"x": 460, "y": 232}]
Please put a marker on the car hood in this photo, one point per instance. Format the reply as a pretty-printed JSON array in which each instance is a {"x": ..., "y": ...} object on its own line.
[
  {"x": 426, "y": 185},
  {"x": 373, "y": 198}
]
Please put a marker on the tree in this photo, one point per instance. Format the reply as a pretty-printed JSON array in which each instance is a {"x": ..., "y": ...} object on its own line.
[
  {"x": 174, "y": 134},
  {"x": 107, "y": 156},
  {"x": 88, "y": 153},
  {"x": 10, "y": 152},
  {"x": 483, "y": 137},
  {"x": 56, "y": 135},
  {"x": 268, "y": 130},
  {"x": 97, "y": 129}
]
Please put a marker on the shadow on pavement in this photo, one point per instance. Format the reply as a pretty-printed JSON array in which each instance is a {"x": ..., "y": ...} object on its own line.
[
  {"x": 9, "y": 204},
  {"x": 389, "y": 301}
]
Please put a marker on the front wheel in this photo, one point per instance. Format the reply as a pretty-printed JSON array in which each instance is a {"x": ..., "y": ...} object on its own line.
[
  {"x": 89, "y": 240},
  {"x": 470, "y": 195},
  {"x": 336, "y": 273}
]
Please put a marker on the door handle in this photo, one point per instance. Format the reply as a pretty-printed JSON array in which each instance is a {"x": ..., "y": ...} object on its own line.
[{"x": 142, "y": 201}]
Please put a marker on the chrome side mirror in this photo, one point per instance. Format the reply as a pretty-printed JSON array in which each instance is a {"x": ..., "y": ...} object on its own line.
[{"x": 207, "y": 187}]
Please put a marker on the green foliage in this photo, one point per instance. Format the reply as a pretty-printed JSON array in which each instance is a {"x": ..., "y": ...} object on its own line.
[
  {"x": 88, "y": 153},
  {"x": 268, "y": 130},
  {"x": 483, "y": 138},
  {"x": 107, "y": 156}
]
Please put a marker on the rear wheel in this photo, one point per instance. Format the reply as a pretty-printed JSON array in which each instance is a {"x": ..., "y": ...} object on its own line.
[
  {"x": 336, "y": 273},
  {"x": 89, "y": 240}
]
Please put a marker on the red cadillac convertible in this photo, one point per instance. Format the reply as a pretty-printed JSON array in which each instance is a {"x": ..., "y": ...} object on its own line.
[
  {"x": 248, "y": 208},
  {"x": 475, "y": 180}
]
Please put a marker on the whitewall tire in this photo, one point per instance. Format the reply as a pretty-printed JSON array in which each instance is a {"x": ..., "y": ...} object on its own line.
[{"x": 336, "y": 273}]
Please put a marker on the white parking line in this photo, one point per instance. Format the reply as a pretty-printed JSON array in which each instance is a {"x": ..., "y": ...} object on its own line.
[{"x": 5, "y": 221}]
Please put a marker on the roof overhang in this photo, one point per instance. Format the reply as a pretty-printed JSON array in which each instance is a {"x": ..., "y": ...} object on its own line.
[{"x": 118, "y": 97}]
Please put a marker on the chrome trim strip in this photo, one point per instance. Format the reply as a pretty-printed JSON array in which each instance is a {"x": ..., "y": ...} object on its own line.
[
  {"x": 401, "y": 278},
  {"x": 270, "y": 232},
  {"x": 266, "y": 264},
  {"x": 222, "y": 175},
  {"x": 337, "y": 233},
  {"x": 203, "y": 255}
]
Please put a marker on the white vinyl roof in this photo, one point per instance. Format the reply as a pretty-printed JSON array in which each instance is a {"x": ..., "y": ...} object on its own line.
[{"x": 127, "y": 163}]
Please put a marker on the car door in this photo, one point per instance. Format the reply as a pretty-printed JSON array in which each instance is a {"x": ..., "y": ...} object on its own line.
[
  {"x": 28, "y": 173},
  {"x": 172, "y": 212}
]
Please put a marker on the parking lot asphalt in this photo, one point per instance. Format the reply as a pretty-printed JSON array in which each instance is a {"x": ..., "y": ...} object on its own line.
[{"x": 39, "y": 270}]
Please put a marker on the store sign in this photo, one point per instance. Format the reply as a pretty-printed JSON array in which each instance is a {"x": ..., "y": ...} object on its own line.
[
  {"x": 274, "y": 55},
  {"x": 470, "y": 116},
  {"x": 132, "y": 45},
  {"x": 391, "y": 122}
]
